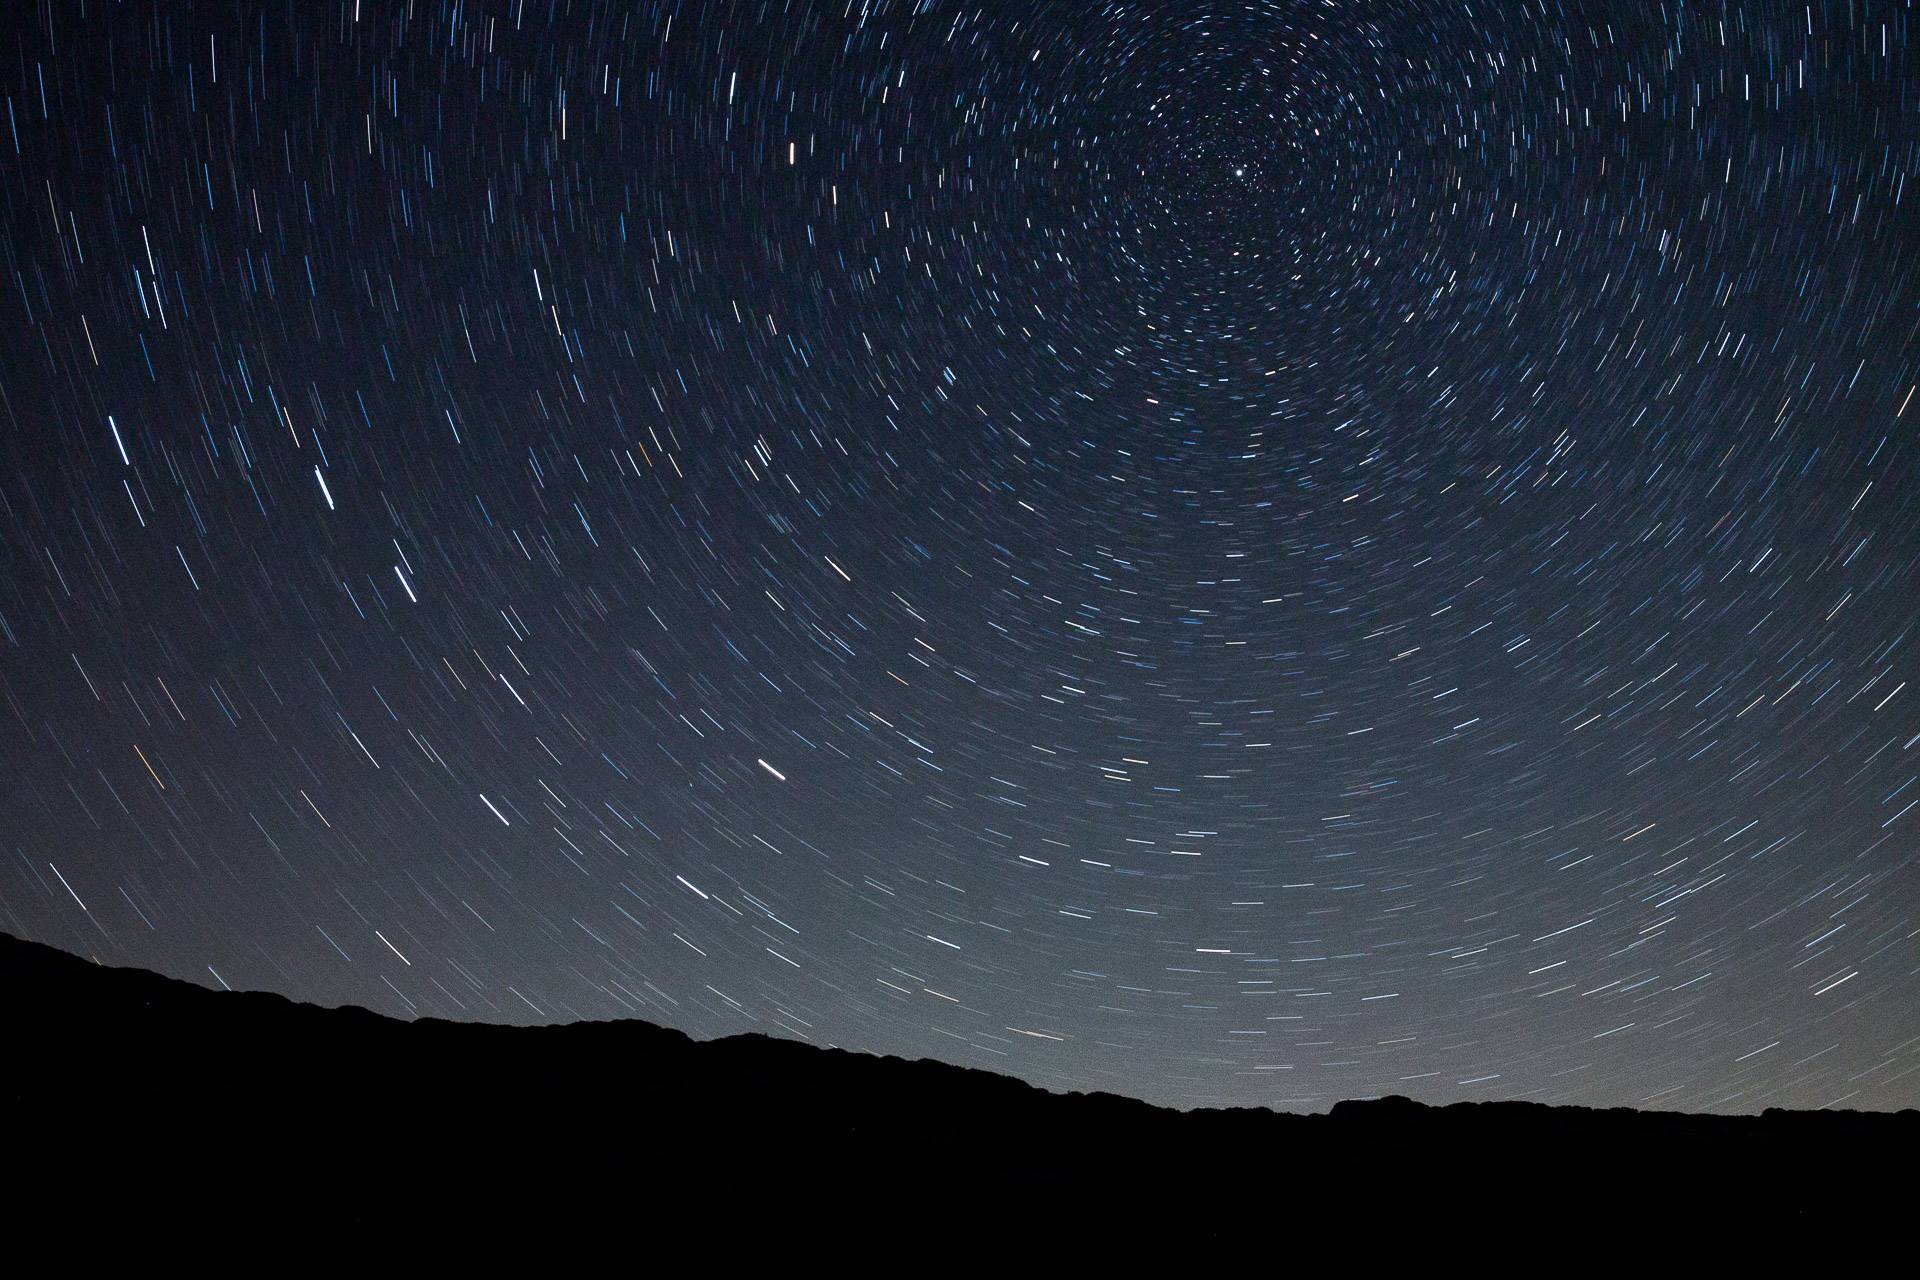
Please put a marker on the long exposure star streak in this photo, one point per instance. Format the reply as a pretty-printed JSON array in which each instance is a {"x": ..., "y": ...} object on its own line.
[{"x": 1249, "y": 552}]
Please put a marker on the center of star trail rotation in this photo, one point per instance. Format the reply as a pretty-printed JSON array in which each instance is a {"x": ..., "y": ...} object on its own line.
[{"x": 1243, "y": 553}]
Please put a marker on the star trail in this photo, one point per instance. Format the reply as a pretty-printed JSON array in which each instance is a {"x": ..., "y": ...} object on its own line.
[{"x": 1230, "y": 551}]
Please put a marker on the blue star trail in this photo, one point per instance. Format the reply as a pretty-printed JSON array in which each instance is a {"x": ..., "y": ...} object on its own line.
[{"x": 1235, "y": 553}]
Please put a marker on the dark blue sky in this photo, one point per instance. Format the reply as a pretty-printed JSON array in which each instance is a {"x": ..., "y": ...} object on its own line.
[{"x": 1232, "y": 553}]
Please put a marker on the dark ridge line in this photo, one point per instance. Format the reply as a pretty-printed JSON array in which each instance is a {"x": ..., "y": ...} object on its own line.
[{"x": 78, "y": 1003}]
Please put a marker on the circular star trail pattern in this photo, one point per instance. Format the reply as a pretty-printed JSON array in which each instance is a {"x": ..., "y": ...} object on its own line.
[{"x": 1251, "y": 553}]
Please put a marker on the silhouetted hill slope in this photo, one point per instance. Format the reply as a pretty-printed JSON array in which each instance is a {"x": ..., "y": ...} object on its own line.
[{"x": 147, "y": 1077}]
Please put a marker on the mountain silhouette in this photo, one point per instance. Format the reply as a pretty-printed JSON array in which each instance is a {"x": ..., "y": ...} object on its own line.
[{"x": 163, "y": 1088}]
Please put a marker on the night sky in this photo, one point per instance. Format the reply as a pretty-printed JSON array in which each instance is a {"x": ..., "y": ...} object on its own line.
[{"x": 1256, "y": 552}]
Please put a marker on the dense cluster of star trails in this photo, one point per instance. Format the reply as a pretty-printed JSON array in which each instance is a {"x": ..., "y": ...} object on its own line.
[{"x": 1229, "y": 551}]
